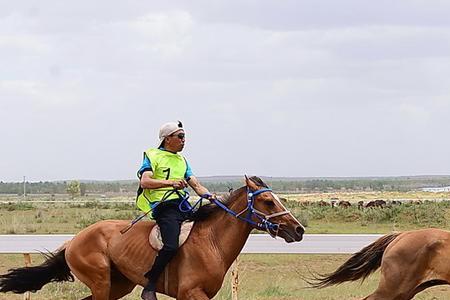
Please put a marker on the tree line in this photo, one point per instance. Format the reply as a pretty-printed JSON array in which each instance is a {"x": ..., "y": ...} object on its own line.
[
  {"x": 62, "y": 187},
  {"x": 221, "y": 185}
]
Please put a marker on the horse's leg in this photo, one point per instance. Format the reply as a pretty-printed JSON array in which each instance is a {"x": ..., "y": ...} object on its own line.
[
  {"x": 94, "y": 271},
  {"x": 120, "y": 285},
  {"x": 405, "y": 275},
  {"x": 193, "y": 294},
  {"x": 397, "y": 281},
  {"x": 118, "y": 290},
  {"x": 437, "y": 261},
  {"x": 101, "y": 288},
  {"x": 428, "y": 284},
  {"x": 87, "y": 258},
  {"x": 394, "y": 288}
]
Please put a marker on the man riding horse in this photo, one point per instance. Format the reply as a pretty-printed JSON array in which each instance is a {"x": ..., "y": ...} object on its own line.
[
  {"x": 164, "y": 175},
  {"x": 111, "y": 263}
]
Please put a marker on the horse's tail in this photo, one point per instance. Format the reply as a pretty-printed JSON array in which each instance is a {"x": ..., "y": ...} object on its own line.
[
  {"x": 360, "y": 265},
  {"x": 31, "y": 279}
]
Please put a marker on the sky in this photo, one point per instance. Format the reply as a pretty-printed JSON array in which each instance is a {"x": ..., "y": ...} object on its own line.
[{"x": 270, "y": 88}]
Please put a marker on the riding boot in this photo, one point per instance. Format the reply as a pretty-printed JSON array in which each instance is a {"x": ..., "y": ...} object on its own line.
[
  {"x": 148, "y": 295},
  {"x": 163, "y": 258},
  {"x": 161, "y": 261}
]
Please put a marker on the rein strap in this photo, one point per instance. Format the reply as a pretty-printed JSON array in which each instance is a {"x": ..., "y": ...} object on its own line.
[{"x": 264, "y": 223}]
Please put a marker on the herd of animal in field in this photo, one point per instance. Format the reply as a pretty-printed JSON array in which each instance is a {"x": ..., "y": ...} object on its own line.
[{"x": 335, "y": 202}]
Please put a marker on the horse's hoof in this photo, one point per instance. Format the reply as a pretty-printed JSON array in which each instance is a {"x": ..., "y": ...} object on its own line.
[{"x": 148, "y": 295}]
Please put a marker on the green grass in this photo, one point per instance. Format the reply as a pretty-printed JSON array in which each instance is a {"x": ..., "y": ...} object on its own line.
[
  {"x": 326, "y": 219},
  {"x": 70, "y": 217},
  {"x": 262, "y": 277},
  {"x": 46, "y": 218},
  {"x": 354, "y": 197}
]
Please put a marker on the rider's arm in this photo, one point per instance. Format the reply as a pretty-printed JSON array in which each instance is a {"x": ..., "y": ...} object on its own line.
[
  {"x": 197, "y": 187},
  {"x": 148, "y": 182}
]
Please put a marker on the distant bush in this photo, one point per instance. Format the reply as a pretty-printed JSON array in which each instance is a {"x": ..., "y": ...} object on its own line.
[
  {"x": 16, "y": 206},
  {"x": 303, "y": 218},
  {"x": 425, "y": 214}
]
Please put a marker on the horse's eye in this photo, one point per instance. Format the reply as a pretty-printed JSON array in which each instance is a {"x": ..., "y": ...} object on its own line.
[{"x": 269, "y": 203}]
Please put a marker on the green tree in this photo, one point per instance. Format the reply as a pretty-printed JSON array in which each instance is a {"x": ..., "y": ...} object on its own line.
[
  {"x": 73, "y": 188},
  {"x": 82, "y": 189}
]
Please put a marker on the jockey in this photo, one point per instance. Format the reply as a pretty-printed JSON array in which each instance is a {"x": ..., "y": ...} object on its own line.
[{"x": 164, "y": 175}]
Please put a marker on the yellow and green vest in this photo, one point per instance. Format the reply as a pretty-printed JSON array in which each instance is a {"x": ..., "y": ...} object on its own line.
[{"x": 165, "y": 166}]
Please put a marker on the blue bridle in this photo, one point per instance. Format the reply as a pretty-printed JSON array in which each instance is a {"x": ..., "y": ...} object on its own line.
[{"x": 262, "y": 222}]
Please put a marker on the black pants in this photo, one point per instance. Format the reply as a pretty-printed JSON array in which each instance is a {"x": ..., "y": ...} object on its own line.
[{"x": 169, "y": 218}]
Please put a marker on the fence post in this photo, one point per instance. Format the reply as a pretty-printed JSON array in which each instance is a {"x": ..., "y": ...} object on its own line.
[
  {"x": 235, "y": 279},
  {"x": 27, "y": 256}
]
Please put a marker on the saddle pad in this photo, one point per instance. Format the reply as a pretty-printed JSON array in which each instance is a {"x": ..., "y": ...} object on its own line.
[{"x": 155, "y": 235}]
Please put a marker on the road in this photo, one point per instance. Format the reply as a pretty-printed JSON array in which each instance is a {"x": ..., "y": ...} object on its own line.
[{"x": 257, "y": 243}]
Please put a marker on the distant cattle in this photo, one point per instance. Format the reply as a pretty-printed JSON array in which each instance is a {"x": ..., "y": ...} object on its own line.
[
  {"x": 376, "y": 203},
  {"x": 395, "y": 202},
  {"x": 283, "y": 200},
  {"x": 360, "y": 204},
  {"x": 344, "y": 204},
  {"x": 305, "y": 203},
  {"x": 323, "y": 203}
]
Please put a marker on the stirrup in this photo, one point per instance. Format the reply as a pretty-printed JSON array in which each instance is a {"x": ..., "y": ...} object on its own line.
[{"x": 148, "y": 295}]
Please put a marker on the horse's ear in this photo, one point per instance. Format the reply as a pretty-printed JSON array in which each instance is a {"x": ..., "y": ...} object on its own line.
[{"x": 250, "y": 184}]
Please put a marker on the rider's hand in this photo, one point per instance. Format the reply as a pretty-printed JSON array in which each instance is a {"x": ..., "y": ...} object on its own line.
[
  {"x": 179, "y": 184},
  {"x": 210, "y": 197}
]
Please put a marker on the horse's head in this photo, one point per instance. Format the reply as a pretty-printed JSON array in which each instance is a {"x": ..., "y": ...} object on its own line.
[{"x": 269, "y": 214}]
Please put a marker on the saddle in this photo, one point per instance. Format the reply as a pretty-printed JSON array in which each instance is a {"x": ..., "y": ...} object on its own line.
[{"x": 155, "y": 235}]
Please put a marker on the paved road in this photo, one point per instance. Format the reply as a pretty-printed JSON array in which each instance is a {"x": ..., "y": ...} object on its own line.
[
  {"x": 257, "y": 243},
  {"x": 312, "y": 243}
]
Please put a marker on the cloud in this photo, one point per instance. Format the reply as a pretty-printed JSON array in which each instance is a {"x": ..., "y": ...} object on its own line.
[
  {"x": 340, "y": 88},
  {"x": 164, "y": 26}
]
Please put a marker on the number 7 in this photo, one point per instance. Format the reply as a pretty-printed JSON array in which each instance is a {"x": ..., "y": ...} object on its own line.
[{"x": 168, "y": 173}]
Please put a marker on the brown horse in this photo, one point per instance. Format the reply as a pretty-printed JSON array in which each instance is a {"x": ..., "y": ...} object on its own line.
[
  {"x": 410, "y": 262},
  {"x": 112, "y": 264}
]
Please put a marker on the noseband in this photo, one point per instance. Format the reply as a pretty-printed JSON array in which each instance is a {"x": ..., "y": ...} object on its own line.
[{"x": 262, "y": 222}]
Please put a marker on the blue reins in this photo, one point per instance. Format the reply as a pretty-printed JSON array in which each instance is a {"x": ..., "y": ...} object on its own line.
[
  {"x": 187, "y": 206},
  {"x": 263, "y": 222}
]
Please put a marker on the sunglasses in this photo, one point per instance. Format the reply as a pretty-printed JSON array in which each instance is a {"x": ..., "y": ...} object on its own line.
[{"x": 180, "y": 135}]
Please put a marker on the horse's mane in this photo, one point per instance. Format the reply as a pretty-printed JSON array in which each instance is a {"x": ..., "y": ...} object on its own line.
[
  {"x": 207, "y": 210},
  {"x": 258, "y": 181}
]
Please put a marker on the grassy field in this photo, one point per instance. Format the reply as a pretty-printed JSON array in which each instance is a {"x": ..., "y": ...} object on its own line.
[
  {"x": 262, "y": 277},
  {"x": 268, "y": 277},
  {"x": 47, "y": 217},
  {"x": 326, "y": 219},
  {"x": 50, "y": 217},
  {"x": 354, "y": 197}
]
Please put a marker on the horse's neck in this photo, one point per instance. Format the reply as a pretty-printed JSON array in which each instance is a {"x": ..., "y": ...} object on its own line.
[{"x": 228, "y": 233}]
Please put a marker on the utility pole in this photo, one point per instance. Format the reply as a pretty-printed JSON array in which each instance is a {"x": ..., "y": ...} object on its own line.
[{"x": 24, "y": 188}]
